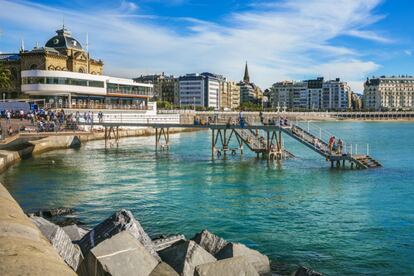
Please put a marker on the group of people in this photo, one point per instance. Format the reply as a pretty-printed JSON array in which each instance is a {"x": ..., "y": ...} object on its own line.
[
  {"x": 335, "y": 146},
  {"x": 44, "y": 120}
]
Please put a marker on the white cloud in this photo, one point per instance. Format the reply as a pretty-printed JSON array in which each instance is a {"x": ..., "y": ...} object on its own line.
[
  {"x": 290, "y": 40},
  {"x": 128, "y": 6},
  {"x": 408, "y": 53}
]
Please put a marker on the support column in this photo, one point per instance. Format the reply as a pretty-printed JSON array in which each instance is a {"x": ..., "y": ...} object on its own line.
[{"x": 156, "y": 139}]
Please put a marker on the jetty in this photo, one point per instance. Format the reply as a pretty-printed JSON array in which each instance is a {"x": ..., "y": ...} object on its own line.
[{"x": 266, "y": 140}]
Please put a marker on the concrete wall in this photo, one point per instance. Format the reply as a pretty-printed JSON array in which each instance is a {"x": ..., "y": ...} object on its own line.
[{"x": 23, "y": 248}]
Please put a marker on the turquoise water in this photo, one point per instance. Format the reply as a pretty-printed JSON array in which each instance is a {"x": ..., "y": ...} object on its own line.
[{"x": 298, "y": 212}]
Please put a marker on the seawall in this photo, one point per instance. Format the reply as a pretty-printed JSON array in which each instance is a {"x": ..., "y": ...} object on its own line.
[{"x": 23, "y": 248}]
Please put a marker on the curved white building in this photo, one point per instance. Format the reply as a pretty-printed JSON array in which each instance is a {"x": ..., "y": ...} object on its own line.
[{"x": 64, "y": 89}]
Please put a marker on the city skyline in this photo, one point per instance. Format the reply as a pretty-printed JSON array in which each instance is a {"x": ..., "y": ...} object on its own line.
[{"x": 281, "y": 40}]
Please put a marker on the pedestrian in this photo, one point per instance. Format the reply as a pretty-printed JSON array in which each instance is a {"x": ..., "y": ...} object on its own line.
[
  {"x": 340, "y": 146},
  {"x": 8, "y": 116},
  {"x": 331, "y": 143}
]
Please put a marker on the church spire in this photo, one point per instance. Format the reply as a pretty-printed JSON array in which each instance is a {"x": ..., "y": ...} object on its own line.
[{"x": 246, "y": 77}]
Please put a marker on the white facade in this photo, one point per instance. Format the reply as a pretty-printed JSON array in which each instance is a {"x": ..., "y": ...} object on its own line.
[
  {"x": 311, "y": 95},
  {"x": 199, "y": 90},
  {"x": 389, "y": 93},
  {"x": 191, "y": 92}
]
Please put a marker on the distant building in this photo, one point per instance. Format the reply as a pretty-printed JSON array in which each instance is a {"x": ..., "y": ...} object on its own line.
[
  {"x": 389, "y": 93},
  {"x": 62, "y": 52},
  {"x": 165, "y": 87},
  {"x": 315, "y": 94},
  {"x": 229, "y": 95},
  {"x": 63, "y": 74},
  {"x": 336, "y": 95},
  {"x": 249, "y": 92},
  {"x": 200, "y": 90}
]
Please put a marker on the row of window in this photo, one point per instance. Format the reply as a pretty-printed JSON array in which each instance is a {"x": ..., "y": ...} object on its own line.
[
  {"x": 63, "y": 81},
  {"x": 129, "y": 89}
]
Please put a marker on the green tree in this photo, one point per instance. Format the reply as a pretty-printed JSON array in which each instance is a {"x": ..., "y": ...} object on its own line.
[{"x": 5, "y": 78}]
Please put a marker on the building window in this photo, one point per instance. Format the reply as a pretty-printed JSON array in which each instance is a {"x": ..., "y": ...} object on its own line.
[{"x": 33, "y": 67}]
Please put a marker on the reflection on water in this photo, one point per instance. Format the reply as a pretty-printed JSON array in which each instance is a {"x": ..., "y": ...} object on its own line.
[{"x": 297, "y": 211}]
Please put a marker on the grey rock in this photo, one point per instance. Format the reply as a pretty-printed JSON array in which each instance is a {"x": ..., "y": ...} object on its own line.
[
  {"x": 304, "y": 271},
  {"x": 230, "y": 267},
  {"x": 69, "y": 252},
  {"x": 210, "y": 242},
  {"x": 259, "y": 261},
  {"x": 48, "y": 213},
  {"x": 122, "y": 254},
  {"x": 163, "y": 243},
  {"x": 122, "y": 220},
  {"x": 185, "y": 256},
  {"x": 74, "y": 232},
  {"x": 163, "y": 269}
]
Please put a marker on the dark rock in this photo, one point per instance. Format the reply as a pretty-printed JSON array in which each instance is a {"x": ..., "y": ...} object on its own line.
[
  {"x": 259, "y": 261},
  {"x": 65, "y": 221},
  {"x": 185, "y": 256},
  {"x": 210, "y": 242},
  {"x": 122, "y": 220},
  {"x": 48, "y": 213},
  {"x": 69, "y": 252},
  {"x": 163, "y": 243},
  {"x": 304, "y": 271},
  {"x": 230, "y": 267},
  {"x": 74, "y": 232},
  {"x": 122, "y": 254},
  {"x": 163, "y": 269}
]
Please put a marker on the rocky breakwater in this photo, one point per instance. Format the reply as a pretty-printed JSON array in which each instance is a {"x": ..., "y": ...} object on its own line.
[
  {"x": 120, "y": 246},
  {"x": 23, "y": 248}
]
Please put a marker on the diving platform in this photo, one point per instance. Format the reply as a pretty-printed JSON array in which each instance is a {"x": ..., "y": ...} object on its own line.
[{"x": 266, "y": 140}]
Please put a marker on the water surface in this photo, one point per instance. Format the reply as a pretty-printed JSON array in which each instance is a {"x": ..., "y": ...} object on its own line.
[{"x": 298, "y": 212}]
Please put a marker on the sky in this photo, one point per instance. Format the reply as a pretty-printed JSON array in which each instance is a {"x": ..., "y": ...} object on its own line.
[{"x": 280, "y": 39}]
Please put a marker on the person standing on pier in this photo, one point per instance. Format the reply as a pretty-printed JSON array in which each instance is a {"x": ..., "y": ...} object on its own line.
[
  {"x": 331, "y": 143},
  {"x": 340, "y": 145}
]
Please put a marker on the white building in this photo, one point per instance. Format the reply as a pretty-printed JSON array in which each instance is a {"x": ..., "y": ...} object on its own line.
[
  {"x": 200, "y": 90},
  {"x": 389, "y": 93},
  {"x": 311, "y": 95},
  {"x": 64, "y": 89},
  {"x": 336, "y": 95}
]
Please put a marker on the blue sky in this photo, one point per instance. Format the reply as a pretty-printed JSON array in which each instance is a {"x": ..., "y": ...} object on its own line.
[{"x": 281, "y": 39}]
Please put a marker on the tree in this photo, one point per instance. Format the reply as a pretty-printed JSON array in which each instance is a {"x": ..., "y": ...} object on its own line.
[{"x": 5, "y": 78}]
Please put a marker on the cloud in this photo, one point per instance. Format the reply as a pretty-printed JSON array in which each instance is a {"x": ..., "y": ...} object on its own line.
[
  {"x": 369, "y": 36},
  {"x": 408, "y": 53},
  {"x": 128, "y": 6},
  {"x": 286, "y": 40}
]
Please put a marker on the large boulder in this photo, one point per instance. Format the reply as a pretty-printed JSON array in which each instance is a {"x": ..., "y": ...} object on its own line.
[
  {"x": 210, "y": 242},
  {"x": 74, "y": 232},
  {"x": 163, "y": 243},
  {"x": 122, "y": 254},
  {"x": 163, "y": 269},
  {"x": 122, "y": 220},
  {"x": 230, "y": 267},
  {"x": 69, "y": 252},
  {"x": 304, "y": 271},
  {"x": 185, "y": 256},
  {"x": 259, "y": 261}
]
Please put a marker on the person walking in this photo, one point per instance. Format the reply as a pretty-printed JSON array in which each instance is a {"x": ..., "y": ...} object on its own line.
[{"x": 331, "y": 143}]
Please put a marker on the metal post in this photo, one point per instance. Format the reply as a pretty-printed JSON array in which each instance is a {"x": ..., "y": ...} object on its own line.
[
  {"x": 156, "y": 139},
  {"x": 212, "y": 143},
  {"x": 367, "y": 149}
]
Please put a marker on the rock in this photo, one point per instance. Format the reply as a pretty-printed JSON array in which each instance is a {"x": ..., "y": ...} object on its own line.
[
  {"x": 230, "y": 267},
  {"x": 163, "y": 243},
  {"x": 210, "y": 242},
  {"x": 303, "y": 271},
  {"x": 74, "y": 232},
  {"x": 69, "y": 252},
  {"x": 122, "y": 220},
  {"x": 48, "y": 213},
  {"x": 259, "y": 261},
  {"x": 122, "y": 254},
  {"x": 163, "y": 269},
  {"x": 185, "y": 256}
]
